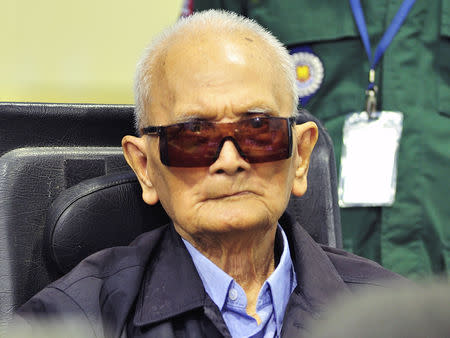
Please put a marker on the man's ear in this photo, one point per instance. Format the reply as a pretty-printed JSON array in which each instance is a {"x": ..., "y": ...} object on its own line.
[
  {"x": 135, "y": 152},
  {"x": 306, "y": 135}
]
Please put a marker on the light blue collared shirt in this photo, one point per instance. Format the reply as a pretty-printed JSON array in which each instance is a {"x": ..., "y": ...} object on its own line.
[{"x": 230, "y": 298}]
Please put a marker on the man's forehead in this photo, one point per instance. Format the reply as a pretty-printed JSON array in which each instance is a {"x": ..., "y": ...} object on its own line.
[
  {"x": 213, "y": 45},
  {"x": 204, "y": 34},
  {"x": 200, "y": 75},
  {"x": 209, "y": 45}
]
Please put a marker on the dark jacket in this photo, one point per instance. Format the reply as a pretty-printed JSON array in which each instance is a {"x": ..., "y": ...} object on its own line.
[{"x": 151, "y": 288}]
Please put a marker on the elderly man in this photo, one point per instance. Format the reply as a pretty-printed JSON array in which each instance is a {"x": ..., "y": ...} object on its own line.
[{"x": 219, "y": 148}]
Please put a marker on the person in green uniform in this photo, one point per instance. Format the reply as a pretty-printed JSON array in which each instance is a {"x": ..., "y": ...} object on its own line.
[{"x": 412, "y": 236}]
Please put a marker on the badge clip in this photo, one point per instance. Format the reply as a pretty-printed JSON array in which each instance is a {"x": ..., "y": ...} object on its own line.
[{"x": 371, "y": 96}]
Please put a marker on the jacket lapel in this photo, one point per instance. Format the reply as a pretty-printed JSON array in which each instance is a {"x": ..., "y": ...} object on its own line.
[
  {"x": 171, "y": 285},
  {"x": 317, "y": 280},
  {"x": 214, "y": 315}
]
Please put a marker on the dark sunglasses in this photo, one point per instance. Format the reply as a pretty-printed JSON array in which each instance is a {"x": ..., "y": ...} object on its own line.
[{"x": 198, "y": 143}]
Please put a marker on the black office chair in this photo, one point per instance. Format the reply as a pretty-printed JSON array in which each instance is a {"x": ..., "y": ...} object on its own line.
[{"x": 61, "y": 201}]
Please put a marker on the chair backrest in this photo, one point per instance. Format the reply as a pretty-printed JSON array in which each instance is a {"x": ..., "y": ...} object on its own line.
[
  {"x": 90, "y": 191},
  {"x": 56, "y": 125},
  {"x": 45, "y": 149},
  {"x": 318, "y": 210},
  {"x": 30, "y": 179}
]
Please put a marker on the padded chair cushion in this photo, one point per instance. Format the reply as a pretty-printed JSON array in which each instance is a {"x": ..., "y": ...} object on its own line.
[{"x": 96, "y": 214}]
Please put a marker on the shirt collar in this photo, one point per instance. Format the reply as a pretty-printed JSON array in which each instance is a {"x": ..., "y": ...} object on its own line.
[{"x": 281, "y": 282}]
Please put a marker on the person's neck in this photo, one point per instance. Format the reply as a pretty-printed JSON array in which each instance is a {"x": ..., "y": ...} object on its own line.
[{"x": 247, "y": 256}]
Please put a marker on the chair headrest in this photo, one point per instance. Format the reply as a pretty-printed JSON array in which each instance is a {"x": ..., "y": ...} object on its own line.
[{"x": 90, "y": 216}]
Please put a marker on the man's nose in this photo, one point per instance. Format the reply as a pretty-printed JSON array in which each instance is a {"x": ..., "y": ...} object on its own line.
[{"x": 229, "y": 161}]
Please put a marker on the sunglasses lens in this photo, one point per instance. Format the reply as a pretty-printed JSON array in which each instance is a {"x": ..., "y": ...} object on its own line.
[
  {"x": 265, "y": 139},
  {"x": 191, "y": 144},
  {"x": 196, "y": 144}
]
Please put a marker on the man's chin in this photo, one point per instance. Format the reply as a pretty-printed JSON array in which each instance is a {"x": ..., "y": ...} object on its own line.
[
  {"x": 239, "y": 218},
  {"x": 212, "y": 218}
]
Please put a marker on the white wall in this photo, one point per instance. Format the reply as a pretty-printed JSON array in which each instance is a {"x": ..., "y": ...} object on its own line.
[{"x": 76, "y": 51}]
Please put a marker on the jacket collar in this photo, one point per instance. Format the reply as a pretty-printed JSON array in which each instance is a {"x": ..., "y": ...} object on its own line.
[
  {"x": 171, "y": 284},
  {"x": 318, "y": 281}
]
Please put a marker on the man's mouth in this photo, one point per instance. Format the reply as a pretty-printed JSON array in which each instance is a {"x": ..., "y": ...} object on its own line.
[{"x": 230, "y": 195}]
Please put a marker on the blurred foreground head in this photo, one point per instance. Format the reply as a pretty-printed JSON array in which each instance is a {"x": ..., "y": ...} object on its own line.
[
  {"x": 66, "y": 327},
  {"x": 412, "y": 311}
]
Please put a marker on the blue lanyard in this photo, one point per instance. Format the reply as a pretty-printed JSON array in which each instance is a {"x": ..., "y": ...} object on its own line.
[{"x": 387, "y": 37}]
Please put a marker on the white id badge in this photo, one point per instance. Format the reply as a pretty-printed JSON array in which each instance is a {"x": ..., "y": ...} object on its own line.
[{"x": 369, "y": 159}]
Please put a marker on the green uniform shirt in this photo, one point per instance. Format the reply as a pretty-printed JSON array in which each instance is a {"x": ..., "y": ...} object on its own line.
[{"x": 413, "y": 236}]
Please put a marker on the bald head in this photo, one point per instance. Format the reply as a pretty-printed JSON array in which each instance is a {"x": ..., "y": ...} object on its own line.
[{"x": 206, "y": 43}]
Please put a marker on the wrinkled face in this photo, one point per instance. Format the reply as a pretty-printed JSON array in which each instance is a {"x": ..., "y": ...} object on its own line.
[{"x": 218, "y": 80}]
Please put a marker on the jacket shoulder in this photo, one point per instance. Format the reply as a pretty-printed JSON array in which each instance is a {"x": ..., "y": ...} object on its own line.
[
  {"x": 107, "y": 264},
  {"x": 355, "y": 270},
  {"x": 97, "y": 281}
]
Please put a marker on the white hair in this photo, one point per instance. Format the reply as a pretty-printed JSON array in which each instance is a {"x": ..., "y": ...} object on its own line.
[{"x": 223, "y": 21}]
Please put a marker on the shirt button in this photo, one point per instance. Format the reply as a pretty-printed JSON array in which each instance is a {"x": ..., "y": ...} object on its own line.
[{"x": 233, "y": 294}]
